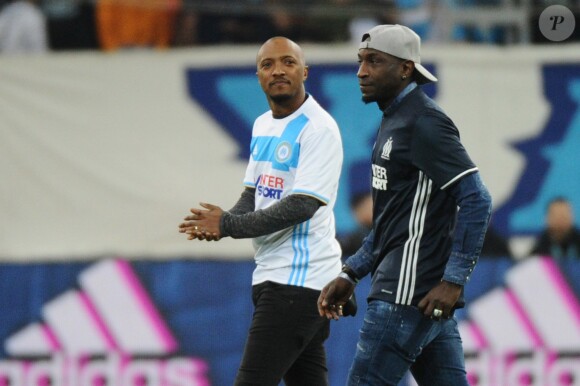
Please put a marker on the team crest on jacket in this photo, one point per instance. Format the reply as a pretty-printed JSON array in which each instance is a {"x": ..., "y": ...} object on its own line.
[{"x": 388, "y": 146}]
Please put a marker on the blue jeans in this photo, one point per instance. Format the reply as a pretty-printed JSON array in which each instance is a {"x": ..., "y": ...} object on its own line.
[{"x": 396, "y": 338}]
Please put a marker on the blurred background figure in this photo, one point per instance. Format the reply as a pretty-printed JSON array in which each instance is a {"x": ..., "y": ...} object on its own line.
[
  {"x": 136, "y": 23},
  {"x": 495, "y": 245},
  {"x": 479, "y": 29},
  {"x": 560, "y": 239},
  {"x": 187, "y": 28},
  {"x": 22, "y": 28},
  {"x": 358, "y": 25},
  {"x": 70, "y": 24},
  {"x": 230, "y": 28},
  {"x": 122, "y": 24},
  {"x": 361, "y": 206}
]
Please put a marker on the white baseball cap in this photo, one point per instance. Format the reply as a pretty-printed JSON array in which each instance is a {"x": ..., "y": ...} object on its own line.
[{"x": 399, "y": 41}]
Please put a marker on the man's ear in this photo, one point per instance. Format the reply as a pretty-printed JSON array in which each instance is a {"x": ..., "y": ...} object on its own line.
[
  {"x": 408, "y": 67},
  {"x": 305, "y": 73}
]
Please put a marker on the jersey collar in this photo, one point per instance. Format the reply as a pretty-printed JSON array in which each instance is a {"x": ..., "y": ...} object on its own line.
[{"x": 410, "y": 87}]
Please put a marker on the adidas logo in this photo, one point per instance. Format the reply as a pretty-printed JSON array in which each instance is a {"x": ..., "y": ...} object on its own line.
[
  {"x": 106, "y": 333},
  {"x": 526, "y": 333}
]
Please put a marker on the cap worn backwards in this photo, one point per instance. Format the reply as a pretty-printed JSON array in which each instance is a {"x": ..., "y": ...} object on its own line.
[{"x": 399, "y": 41}]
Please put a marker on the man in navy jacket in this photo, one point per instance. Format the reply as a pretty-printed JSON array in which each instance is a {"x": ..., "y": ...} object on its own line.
[{"x": 430, "y": 214}]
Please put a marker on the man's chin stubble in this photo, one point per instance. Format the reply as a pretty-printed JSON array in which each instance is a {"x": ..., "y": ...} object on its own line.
[
  {"x": 280, "y": 98},
  {"x": 367, "y": 100}
]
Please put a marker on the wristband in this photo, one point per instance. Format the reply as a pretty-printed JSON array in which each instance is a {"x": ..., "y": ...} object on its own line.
[
  {"x": 344, "y": 275},
  {"x": 348, "y": 271}
]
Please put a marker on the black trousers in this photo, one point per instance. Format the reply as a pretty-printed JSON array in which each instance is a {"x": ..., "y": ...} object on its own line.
[{"x": 286, "y": 338}]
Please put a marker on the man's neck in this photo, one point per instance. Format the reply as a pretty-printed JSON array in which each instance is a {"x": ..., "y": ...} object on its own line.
[
  {"x": 284, "y": 109},
  {"x": 392, "y": 103}
]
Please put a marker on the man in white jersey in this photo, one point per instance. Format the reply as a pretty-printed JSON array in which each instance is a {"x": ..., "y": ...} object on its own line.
[{"x": 291, "y": 185}]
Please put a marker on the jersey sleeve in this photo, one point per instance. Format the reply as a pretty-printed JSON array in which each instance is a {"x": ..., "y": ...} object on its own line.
[
  {"x": 249, "y": 176},
  {"x": 319, "y": 163},
  {"x": 437, "y": 150},
  {"x": 249, "y": 181}
]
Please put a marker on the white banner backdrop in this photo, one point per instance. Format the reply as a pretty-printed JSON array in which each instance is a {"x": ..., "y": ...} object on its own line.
[{"x": 103, "y": 154}]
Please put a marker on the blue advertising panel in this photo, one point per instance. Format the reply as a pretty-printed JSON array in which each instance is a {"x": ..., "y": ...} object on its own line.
[{"x": 184, "y": 322}]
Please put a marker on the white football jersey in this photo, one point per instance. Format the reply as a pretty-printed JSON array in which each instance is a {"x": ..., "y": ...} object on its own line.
[{"x": 298, "y": 154}]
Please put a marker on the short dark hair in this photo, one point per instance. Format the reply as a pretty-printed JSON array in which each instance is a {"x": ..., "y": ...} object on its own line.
[{"x": 558, "y": 200}]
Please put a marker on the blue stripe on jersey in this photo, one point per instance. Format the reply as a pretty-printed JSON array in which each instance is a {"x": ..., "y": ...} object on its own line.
[
  {"x": 263, "y": 147},
  {"x": 295, "y": 236},
  {"x": 306, "y": 253},
  {"x": 301, "y": 254},
  {"x": 282, "y": 151}
]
